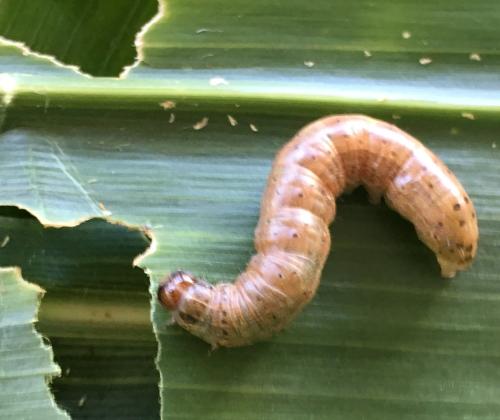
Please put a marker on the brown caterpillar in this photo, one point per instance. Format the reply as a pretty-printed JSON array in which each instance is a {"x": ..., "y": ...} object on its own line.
[{"x": 326, "y": 158}]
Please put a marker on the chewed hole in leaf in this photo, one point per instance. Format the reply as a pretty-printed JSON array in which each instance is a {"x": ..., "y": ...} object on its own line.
[
  {"x": 95, "y": 312},
  {"x": 96, "y": 36}
]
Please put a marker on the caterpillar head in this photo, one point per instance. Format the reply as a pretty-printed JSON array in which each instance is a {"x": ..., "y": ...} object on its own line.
[
  {"x": 187, "y": 298},
  {"x": 171, "y": 290}
]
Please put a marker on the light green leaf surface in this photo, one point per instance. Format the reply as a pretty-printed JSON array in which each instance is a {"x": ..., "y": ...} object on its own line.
[
  {"x": 386, "y": 337},
  {"x": 26, "y": 362}
]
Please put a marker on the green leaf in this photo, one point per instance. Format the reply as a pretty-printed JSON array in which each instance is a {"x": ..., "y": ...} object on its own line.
[
  {"x": 385, "y": 337},
  {"x": 26, "y": 362},
  {"x": 97, "y": 36},
  {"x": 95, "y": 312}
]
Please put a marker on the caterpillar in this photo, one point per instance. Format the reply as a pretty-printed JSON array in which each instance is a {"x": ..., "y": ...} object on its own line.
[{"x": 330, "y": 156}]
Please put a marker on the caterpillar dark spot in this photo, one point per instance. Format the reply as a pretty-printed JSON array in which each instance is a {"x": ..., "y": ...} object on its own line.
[{"x": 292, "y": 240}]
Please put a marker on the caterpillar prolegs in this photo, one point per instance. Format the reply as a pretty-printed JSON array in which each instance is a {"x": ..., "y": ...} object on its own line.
[{"x": 292, "y": 240}]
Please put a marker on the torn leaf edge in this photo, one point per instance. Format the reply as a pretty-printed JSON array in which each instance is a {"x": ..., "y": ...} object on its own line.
[
  {"x": 138, "y": 43},
  {"x": 48, "y": 378}
]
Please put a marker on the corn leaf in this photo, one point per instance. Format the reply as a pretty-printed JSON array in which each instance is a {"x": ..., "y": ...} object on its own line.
[{"x": 385, "y": 337}]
